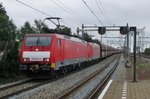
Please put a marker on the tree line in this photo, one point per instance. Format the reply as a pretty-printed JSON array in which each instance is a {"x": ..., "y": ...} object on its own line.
[
  {"x": 9, "y": 62},
  {"x": 12, "y": 36},
  {"x": 9, "y": 65},
  {"x": 38, "y": 28}
]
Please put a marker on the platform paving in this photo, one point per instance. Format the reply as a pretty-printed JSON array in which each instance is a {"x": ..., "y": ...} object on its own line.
[{"x": 123, "y": 88}]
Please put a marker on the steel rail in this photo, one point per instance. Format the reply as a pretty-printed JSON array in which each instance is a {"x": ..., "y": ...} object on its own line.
[
  {"x": 35, "y": 86},
  {"x": 26, "y": 89},
  {"x": 94, "y": 94},
  {"x": 15, "y": 84},
  {"x": 67, "y": 93}
]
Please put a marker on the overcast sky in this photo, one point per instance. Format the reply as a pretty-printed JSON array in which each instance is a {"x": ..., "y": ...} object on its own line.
[{"x": 118, "y": 12}]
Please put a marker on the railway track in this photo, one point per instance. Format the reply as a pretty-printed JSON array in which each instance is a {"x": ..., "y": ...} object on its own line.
[
  {"x": 97, "y": 89},
  {"x": 18, "y": 88},
  {"x": 10, "y": 91},
  {"x": 94, "y": 94},
  {"x": 14, "y": 83}
]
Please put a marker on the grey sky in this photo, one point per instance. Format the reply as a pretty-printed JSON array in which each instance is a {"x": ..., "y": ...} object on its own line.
[{"x": 135, "y": 12}]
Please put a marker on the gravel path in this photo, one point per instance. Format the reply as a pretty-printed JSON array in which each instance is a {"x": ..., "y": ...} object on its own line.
[{"x": 49, "y": 91}]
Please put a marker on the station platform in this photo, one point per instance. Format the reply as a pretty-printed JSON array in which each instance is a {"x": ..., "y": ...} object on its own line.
[{"x": 121, "y": 85}]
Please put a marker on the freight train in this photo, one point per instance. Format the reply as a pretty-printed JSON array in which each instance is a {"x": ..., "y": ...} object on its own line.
[{"x": 51, "y": 53}]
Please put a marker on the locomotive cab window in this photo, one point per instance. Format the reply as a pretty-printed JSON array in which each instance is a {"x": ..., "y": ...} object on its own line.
[{"x": 38, "y": 41}]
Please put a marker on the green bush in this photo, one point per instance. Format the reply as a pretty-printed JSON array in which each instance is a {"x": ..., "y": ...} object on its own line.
[{"x": 147, "y": 51}]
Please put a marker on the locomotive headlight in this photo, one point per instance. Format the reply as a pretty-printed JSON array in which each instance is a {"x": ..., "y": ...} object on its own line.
[
  {"x": 46, "y": 59},
  {"x": 25, "y": 59}
]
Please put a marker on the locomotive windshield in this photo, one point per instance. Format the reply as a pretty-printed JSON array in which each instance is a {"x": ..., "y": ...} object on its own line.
[{"x": 38, "y": 41}]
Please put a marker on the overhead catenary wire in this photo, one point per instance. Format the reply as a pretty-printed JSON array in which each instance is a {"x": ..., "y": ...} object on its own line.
[
  {"x": 44, "y": 13},
  {"x": 68, "y": 11},
  {"x": 93, "y": 13},
  {"x": 104, "y": 14},
  {"x": 73, "y": 12},
  {"x": 101, "y": 10},
  {"x": 105, "y": 11},
  {"x": 63, "y": 8},
  {"x": 33, "y": 8}
]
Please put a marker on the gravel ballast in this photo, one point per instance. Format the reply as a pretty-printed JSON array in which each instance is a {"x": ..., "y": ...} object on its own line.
[
  {"x": 55, "y": 88},
  {"x": 87, "y": 89}
]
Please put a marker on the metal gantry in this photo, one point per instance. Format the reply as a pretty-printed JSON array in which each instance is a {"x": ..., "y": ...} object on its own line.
[{"x": 124, "y": 30}]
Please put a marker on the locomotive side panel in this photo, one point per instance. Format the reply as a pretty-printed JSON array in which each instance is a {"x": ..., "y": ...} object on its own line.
[
  {"x": 69, "y": 52},
  {"x": 89, "y": 51},
  {"x": 81, "y": 52},
  {"x": 96, "y": 51}
]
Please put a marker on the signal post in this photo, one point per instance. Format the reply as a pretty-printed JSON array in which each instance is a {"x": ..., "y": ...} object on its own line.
[{"x": 124, "y": 30}]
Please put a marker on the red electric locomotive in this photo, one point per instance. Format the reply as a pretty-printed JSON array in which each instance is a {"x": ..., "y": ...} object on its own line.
[
  {"x": 53, "y": 52},
  {"x": 44, "y": 53}
]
